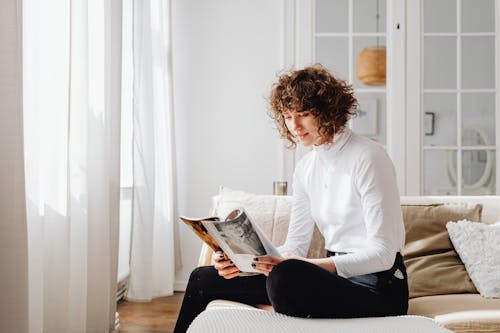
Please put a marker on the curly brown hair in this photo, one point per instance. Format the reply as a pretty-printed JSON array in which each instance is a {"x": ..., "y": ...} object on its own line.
[{"x": 331, "y": 101}]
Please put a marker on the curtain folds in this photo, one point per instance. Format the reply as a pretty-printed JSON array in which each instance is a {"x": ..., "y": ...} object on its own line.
[
  {"x": 152, "y": 254},
  {"x": 13, "y": 236},
  {"x": 71, "y": 62}
]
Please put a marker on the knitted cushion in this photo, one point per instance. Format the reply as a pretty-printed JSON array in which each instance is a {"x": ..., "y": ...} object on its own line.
[{"x": 245, "y": 320}]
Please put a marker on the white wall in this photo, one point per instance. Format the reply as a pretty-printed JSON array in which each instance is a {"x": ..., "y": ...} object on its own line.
[
  {"x": 226, "y": 54},
  {"x": 13, "y": 234}
]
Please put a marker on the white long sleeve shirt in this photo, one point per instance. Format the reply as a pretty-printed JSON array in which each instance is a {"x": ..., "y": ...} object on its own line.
[{"x": 349, "y": 190}]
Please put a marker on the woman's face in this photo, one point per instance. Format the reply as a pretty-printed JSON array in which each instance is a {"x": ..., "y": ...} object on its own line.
[{"x": 304, "y": 126}]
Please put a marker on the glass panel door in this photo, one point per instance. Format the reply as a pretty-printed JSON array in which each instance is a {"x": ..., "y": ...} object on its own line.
[{"x": 459, "y": 97}]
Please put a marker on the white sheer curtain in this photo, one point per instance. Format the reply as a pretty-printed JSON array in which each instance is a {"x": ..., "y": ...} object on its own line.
[
  {"x": 152, "y": 253},
  {"x": 71, "y": 55}
]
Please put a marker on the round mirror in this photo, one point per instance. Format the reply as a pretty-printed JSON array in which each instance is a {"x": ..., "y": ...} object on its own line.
[{"x": 477, "y": 164}]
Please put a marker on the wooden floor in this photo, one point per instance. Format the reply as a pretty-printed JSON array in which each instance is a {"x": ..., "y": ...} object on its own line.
[{"x": 152, "y": 317}]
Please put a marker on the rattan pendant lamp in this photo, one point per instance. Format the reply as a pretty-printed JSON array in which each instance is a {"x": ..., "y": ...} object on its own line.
[{"x": 370, "y": 64}]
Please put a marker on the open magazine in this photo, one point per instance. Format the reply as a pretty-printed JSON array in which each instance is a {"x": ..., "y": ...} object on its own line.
[{"x": 236, "y": 235}]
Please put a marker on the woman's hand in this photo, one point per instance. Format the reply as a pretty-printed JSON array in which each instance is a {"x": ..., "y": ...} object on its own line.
[
  {"x": 224, "y": 265},
  {"x": 265, "y": 264}
]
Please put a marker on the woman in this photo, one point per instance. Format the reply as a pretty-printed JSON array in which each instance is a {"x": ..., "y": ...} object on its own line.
[{"x": 346, "y": 186}]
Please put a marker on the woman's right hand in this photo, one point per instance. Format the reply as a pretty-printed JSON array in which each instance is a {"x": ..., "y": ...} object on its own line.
[{"x": 224, "y": 265}]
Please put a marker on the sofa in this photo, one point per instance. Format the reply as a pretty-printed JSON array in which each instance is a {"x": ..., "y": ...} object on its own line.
[{"x": 440, "y": 286}]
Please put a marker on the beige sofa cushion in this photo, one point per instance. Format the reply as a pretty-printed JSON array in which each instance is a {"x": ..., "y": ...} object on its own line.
[
  {"x": 434, "y": 268},
  {"x": 489, "y": 214},
  {"x": 471, "y": 321},
  {"x": 459, "y": 312}
]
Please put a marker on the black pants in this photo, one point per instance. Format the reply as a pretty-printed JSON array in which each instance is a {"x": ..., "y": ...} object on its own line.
[{"x": 300, "y": 289}]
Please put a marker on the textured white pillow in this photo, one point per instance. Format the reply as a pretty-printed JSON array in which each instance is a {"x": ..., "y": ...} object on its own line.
[
  {"x": 478, "y": 245},
  {"x": 258, "y": 206},
  {"x": 270, "y": 212}
]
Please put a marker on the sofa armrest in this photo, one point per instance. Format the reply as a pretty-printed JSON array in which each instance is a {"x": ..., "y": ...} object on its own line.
[{"x": 205, "y": 258}]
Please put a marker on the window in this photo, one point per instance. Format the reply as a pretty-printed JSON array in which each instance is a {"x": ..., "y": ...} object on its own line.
[{"x": 458, "y": 97}]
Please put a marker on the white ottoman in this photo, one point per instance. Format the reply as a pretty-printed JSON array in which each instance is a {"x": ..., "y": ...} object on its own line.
[{"x": 251, "y": 320}]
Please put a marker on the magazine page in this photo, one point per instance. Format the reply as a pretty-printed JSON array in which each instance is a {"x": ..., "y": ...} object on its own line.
[
  {"x": 270, "y": 248},
  {"x": 199, "y": 229},
  {"x": 240, "y": 239}
]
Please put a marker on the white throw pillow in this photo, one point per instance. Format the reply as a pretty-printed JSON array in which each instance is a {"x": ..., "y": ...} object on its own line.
[
  {"x": 270, "y": 212},
  {"x": 258, "y": 206},
  {"x": 478, "y": 245}
]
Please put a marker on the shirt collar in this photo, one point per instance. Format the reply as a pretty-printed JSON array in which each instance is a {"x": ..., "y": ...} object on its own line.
[{"x": 339, "y": 141}]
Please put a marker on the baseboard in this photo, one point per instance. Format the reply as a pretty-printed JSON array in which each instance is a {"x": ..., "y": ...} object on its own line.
[
  {"x": 116, "y": 327},
  {"x": 180, "y": 285}
]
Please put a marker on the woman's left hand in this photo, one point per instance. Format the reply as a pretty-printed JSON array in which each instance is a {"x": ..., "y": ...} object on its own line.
[{"x": 265, "y": 264}]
